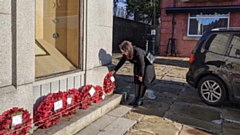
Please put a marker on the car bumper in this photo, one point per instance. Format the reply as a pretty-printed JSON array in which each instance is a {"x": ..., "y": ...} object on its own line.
[{"x": 190, "y": 79}]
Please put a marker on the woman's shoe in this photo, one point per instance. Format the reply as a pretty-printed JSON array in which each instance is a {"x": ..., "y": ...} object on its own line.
[
  {"x": 133, "y": 102},
  {"x": 138, "y": 103}
]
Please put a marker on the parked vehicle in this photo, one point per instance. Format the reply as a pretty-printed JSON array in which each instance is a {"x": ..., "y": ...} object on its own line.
[{"x": 215, "y": 66}]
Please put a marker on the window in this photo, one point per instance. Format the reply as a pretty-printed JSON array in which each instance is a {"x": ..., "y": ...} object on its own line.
[
  {"x": 199, "y": 23},
  {"x": 217, "y": 43},
  {"x": 235, "y": 46},
  {"x": 57, "y": 36}
]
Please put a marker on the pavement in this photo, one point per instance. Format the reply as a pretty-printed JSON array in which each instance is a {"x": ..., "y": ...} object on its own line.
[{"x": 177, "y": 109}]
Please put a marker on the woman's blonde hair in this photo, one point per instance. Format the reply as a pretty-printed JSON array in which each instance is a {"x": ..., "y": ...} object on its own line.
[{"x": 127, "y": 47}]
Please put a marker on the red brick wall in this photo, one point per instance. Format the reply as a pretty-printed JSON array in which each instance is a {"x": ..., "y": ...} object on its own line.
[{"x": 184, "y": 47}]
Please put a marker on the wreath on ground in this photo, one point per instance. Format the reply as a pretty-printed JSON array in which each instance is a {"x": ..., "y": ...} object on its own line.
[
  {"x": 50, "y": 110},
  {"x": 98, "y": 95},
  {"x": 72, "y": 102},
  {"x": 15, "y": 121},
  {"x": 86, "y": 94},
  {"x": 109, "y": 83}
]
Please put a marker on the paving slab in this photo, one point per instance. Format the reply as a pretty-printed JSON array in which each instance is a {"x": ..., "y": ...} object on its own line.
[
  {"x": 134, "y": 116},
  {"x": 189, "y": 95},
  {"x": 170, "y": 84},
  {"x": 174, "y": 79},
  {"x": 163, "y": 100},
  {"x": 152, "y": 108},
  {"x": 197, "y": 112},
  {"x": 196, "y": 123},
  {"x": 157, "y": 126},
  {"x": 165, "y": 95},
  {"x": 189, "y": 91},
  {"x": 167, "y": 69},
  {"x": 118, "y": 127},
  {"x": 137, "y": 132},
  {"x": 178, "y": 72},
  {"x": 149, "y": 111},
  {"x": 97, "y": 126},
  {"x": 120, "y": 111},
  {"x": 167, "y": 88},
  {"x": 231, "y": 115},
  {"x": 190, "y": 99},
  {"x": 231, "y": 128},
  {"x": 187, "y": 130}
]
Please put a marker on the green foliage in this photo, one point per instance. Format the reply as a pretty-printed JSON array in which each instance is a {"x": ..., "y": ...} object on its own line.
[{"x": 143, "y": 10}]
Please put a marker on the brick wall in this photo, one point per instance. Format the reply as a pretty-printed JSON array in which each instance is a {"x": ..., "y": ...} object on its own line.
[{"x": 184, "y": 47}]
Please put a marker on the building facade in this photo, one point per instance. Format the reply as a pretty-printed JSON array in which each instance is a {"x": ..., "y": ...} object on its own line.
[
  {"x": 185, "y": 21},
  {"x": 47, "y": 46}
]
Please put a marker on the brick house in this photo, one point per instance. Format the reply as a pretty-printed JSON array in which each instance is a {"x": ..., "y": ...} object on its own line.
[{"x": 187, "y": 20}]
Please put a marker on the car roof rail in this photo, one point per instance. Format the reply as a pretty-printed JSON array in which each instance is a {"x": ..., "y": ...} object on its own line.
[{"x": 226, "y": 28}]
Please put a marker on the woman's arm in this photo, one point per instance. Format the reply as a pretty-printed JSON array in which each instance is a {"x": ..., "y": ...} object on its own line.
[{"x": 120, "y": 63}]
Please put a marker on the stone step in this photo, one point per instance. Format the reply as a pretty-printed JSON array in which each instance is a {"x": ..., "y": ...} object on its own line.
[
  {"x": 72, "y": 124},
  {"x": 112, "y": 123},
  {"x": 118, "y": 127}
]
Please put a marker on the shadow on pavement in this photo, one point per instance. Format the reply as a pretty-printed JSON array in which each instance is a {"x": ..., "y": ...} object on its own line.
[{"x": 179, "y": 102}]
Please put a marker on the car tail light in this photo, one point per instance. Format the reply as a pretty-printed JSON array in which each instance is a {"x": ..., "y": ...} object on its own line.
[{"x": 191, "y": 58}]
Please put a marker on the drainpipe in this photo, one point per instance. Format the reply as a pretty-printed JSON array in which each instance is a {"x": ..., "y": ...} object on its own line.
[
  {"x": 154, "y": 28},
  {"x": 173, "y": 46},
  {"x": 173, "y": 20}
]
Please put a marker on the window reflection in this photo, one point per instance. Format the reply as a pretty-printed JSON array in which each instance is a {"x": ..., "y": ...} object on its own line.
[
  {"x": 235, "y": 46},
  {"x": 199, "y": 23}
]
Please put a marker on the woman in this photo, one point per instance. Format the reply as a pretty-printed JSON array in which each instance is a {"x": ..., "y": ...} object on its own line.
[{"x": 144, "y": 73}]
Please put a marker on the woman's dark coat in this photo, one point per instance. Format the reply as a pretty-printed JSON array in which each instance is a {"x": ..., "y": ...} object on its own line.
[{"x": 141, "y": 66}]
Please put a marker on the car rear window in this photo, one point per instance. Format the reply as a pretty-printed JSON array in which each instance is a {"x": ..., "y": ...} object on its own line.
[{"x": 217, "y": 43}]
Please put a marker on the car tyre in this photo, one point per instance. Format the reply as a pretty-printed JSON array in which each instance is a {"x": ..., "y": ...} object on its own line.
[{"x": 212, "y": 90}]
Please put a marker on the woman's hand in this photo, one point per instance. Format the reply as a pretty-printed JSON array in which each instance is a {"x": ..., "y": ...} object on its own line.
[
  {"x": 113, "y": 72},
  {"x": 140, "y": 78}
]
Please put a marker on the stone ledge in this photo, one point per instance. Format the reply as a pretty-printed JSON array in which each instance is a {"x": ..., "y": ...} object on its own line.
[
  {"x": 72, "y": 124},
  {"x": 190, "y": 38}
]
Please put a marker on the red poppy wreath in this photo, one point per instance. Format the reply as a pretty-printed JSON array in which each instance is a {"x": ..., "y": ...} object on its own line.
[
  {"x": 98, "y": 95},
  {"x": 72, "y": 101},
  {"x": 86, "y": 95},
  {"x": 15, "y": 121},
  {"x": 50, "y": 110},
  {"x": 109, "y": 83}
]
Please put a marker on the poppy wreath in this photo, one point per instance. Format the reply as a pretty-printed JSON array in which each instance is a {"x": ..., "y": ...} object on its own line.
[
  {"x": 50, "y": 110},
  {"x": 98, "y": 95},
  {"x": 85, "y": 96},
  {"x": 7, "y": 122},
  {"x": 109, "y": 83},
  {"x": 72, "y": 101}
]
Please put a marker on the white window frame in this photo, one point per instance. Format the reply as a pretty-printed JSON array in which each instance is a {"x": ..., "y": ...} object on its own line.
[{"x": 202, "y": 16}]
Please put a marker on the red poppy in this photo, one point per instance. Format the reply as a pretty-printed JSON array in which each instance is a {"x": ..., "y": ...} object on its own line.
[{"x": 9, "y": 124}]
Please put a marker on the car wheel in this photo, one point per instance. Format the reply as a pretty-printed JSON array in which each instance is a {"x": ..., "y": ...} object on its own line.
[{"x": 212, "y": 90}]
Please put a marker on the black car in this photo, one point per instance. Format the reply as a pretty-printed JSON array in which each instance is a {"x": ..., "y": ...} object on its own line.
[{"x": 215, "y": 66}]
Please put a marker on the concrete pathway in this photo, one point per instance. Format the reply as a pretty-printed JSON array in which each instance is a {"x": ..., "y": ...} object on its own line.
[{"x": 177, "y": 109}]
